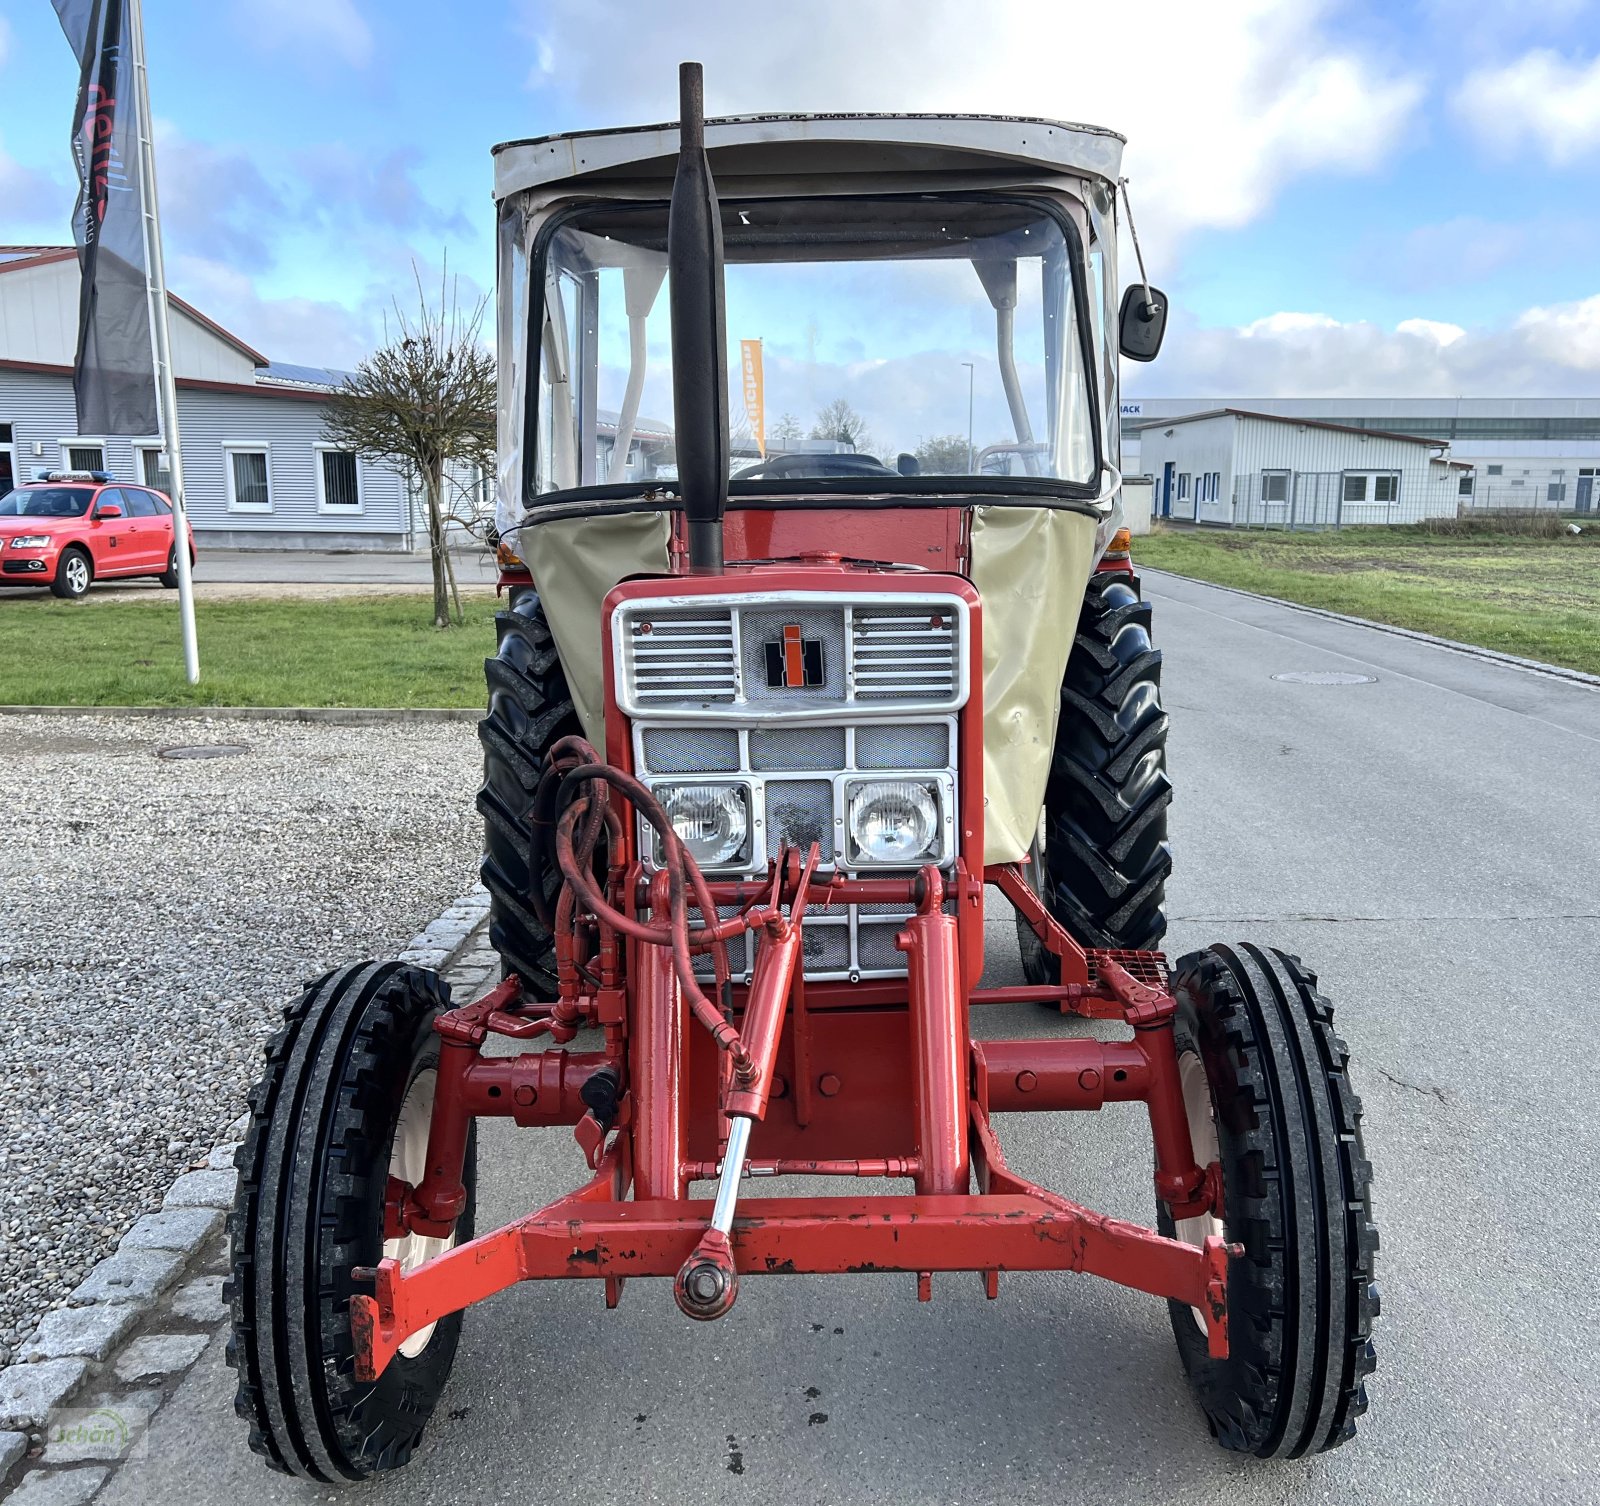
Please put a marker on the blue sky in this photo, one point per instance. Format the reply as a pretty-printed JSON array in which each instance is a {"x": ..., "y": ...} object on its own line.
[{"x": 1341, "y": 198}]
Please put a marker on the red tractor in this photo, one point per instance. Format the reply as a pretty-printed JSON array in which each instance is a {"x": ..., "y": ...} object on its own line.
[{"x": 771, "y": 714}]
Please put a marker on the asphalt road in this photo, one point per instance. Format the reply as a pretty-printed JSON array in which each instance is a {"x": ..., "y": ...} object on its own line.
[{"x": 1428, "y": 843}]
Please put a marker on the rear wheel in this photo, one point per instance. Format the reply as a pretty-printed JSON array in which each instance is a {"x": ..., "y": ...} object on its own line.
[
  {"x": 345, "y": 1103},
  {"x": 1102, "y": 858},
  {"x": 73, "y": 574},
  {"x": 530, "y": 710},
  {"x": 1266, "y": 1085},
  {"x": 169, "y": 576}
]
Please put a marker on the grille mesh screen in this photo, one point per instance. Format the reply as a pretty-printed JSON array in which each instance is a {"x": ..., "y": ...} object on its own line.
[
  {"x": 786, "y": 748},
  {"x": 912, "y": 745},
  {"x": 800, "y": 812},
  {"x": 691, "y": 750}
]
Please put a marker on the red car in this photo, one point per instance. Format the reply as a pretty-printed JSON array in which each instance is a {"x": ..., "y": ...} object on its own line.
[{"x": 73, "y": 527}]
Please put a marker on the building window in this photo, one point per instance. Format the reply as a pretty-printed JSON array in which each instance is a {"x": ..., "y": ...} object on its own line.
[
  {"x": 1385, "y": 488},
  {"x": 1355, "y": 487},
  {"x": 153, "y": 468},
  {"x": 338, "y": 481},
  {"x": 1183, "y": 485},
  {"x": 1464, "y": 488},
  {"x": 248, "y": 476},
  {"x": 1557, "y": 492},
  {"x": 1275, "y": 486},
  {"x": 80, "y": 456},
  {"x": 1495, "y": 470}
]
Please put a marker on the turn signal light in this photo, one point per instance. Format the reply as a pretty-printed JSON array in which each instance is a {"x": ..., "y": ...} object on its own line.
[
  {"x": 1121, "y": 542},
  {"x": 507, "y": 558}
]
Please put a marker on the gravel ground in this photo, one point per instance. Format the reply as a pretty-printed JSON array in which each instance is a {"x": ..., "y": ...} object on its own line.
[{"x": 156, "y": 915}]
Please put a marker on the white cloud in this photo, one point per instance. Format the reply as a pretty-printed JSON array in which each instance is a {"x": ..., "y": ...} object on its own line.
[
  {"x": 310, "y": 331},
  {"x": 1549, "y": 351},
  {"x": 1541, "y": 100},
  {"x": 311, "y": 29},
  {"x": 1436, "y": 330},
  {"x": 1223, "y": 103}
]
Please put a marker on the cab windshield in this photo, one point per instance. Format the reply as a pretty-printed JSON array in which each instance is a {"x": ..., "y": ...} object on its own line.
[
  {"x": 868, "y": 339},
  {"x": 46, "y": 502}
]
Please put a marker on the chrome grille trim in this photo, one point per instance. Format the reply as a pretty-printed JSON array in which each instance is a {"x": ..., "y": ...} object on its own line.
[{"x": 692, "y": 661}]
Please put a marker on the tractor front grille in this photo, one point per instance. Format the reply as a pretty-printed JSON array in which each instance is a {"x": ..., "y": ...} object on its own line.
[{"x": 792, "y": 696}]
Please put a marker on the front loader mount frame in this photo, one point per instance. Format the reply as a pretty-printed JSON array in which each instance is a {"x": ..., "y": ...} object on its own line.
[{"x": 649, "y": 1116}]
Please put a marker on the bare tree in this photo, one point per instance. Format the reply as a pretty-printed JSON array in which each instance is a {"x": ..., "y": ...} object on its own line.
[
  {"x": 945, "y": 455},
  {"x": 422, "y": 402},
  {"x": 785, "y": 432},
  {"x": 841, "y": 422}
]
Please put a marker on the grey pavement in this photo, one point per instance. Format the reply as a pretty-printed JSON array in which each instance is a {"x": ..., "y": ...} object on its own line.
[
  {"x": 1428, "y": 843},
  {"x": 474, "y": 567}
]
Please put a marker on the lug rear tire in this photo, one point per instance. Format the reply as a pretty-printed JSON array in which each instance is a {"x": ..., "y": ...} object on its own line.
[
  {"x": 169, "y": 576},
  {"x": 73, "y": 574},
  {"x": 1268, "y": 1092},
  {"x": 530, "y": 710},
  {"x": 329, "y": 1120},
  {"x": 1104, "y": 859}
]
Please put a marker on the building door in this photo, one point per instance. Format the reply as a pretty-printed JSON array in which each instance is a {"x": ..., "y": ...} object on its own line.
[
  {"x": 1586, "y": 497},
  {"x": 8, "y": 460},
  {"x": 1167, "y": 472}
]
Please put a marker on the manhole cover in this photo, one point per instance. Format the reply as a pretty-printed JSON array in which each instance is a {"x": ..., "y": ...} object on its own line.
[
  {"x": 204, "y": 750},
  {"x": 1324, "y": 677}
]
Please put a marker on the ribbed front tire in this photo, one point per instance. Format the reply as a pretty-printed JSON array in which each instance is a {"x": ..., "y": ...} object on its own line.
[
  {"x": 1267, "y": 1085},
  {"x": 313, "y": 1175}
]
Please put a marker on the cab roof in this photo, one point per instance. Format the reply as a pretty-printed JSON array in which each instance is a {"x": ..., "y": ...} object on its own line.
[{"x": 745, "y": 147}]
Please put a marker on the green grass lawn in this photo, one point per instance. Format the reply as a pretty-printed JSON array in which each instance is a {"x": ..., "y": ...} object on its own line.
[
  {"x": 354, "y": 651},
  {"x": 1536, "y": 597}
]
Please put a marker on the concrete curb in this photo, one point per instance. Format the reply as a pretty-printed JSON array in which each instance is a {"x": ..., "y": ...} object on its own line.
[
  {"x": 339, "y": 716},
  {"x": 165, "y": 1276},
  {"x": 1471, "y": 650}
]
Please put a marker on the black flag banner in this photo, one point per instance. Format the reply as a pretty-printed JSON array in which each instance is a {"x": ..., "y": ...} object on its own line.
[{"x": 114, "y": 376}]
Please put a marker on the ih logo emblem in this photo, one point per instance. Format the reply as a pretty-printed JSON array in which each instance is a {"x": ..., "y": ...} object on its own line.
[{"x": 793, "y": 662}]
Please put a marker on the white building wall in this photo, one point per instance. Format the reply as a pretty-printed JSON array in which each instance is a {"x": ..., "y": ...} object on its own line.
[
  {"x": 1202, "y": 448},
  {"x": 41, "y": 412},
  {"x": 39, "y": 322}
]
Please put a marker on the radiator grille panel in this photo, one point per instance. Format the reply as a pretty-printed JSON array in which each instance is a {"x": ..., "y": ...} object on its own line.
[
  {"x": 800, "y": 812},
  {"x": 903, "y": 654},
  {"x": 683, "y": 656}
]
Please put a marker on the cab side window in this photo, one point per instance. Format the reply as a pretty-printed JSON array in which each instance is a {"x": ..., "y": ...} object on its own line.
[{"x": 137, "y": 504}]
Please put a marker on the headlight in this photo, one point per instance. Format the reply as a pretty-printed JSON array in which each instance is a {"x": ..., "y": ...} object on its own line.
[
  {"x": 711, "y": 820},
  {"x": 894, "y": 821},
  {"x": 31, "y": 541}
]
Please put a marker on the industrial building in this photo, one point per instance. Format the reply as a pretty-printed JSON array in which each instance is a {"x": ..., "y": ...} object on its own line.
[
  {"x": 1523, "y": 452},
  {"x": 257, "y": 472},
  {"x": 1235, "y": 466}
]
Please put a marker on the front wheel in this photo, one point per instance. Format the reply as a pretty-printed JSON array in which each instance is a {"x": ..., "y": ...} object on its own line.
[
  {"x": 73, "y": 574},
  {"x": 345, "y": 1103},
  {"x": 1266, "y": 1084},
  {"x": 169, "y": 576}
]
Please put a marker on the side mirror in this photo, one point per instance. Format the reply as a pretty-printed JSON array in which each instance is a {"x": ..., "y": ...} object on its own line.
[
  {"x": 107, "y": 510},
  {"x": 1142, "y": 323},
  {"x": 908, "y": 465}
]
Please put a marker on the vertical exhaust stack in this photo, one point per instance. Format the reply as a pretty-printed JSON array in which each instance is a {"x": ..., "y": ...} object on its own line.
[{"x": 699, "y": 333}]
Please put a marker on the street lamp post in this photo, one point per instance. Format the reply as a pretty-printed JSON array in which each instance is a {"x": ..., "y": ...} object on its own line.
[{"x": 972, "y": 459}]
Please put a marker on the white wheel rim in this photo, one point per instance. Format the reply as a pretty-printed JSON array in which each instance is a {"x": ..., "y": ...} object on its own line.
[
  {"x": 77, "y": 575},
  {"x": 408, "y": 1162},
  {"x": 1203, "y": 1137}
]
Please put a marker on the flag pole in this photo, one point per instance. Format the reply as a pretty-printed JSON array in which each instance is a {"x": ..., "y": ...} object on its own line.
[{"x": 161, "y": 339}]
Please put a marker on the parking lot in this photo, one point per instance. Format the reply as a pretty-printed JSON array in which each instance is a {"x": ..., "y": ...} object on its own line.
[{"x": 1418, "y": 839}]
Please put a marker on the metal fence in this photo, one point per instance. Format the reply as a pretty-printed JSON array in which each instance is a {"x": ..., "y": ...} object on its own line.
[{"x": 1328, "y": 499}]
